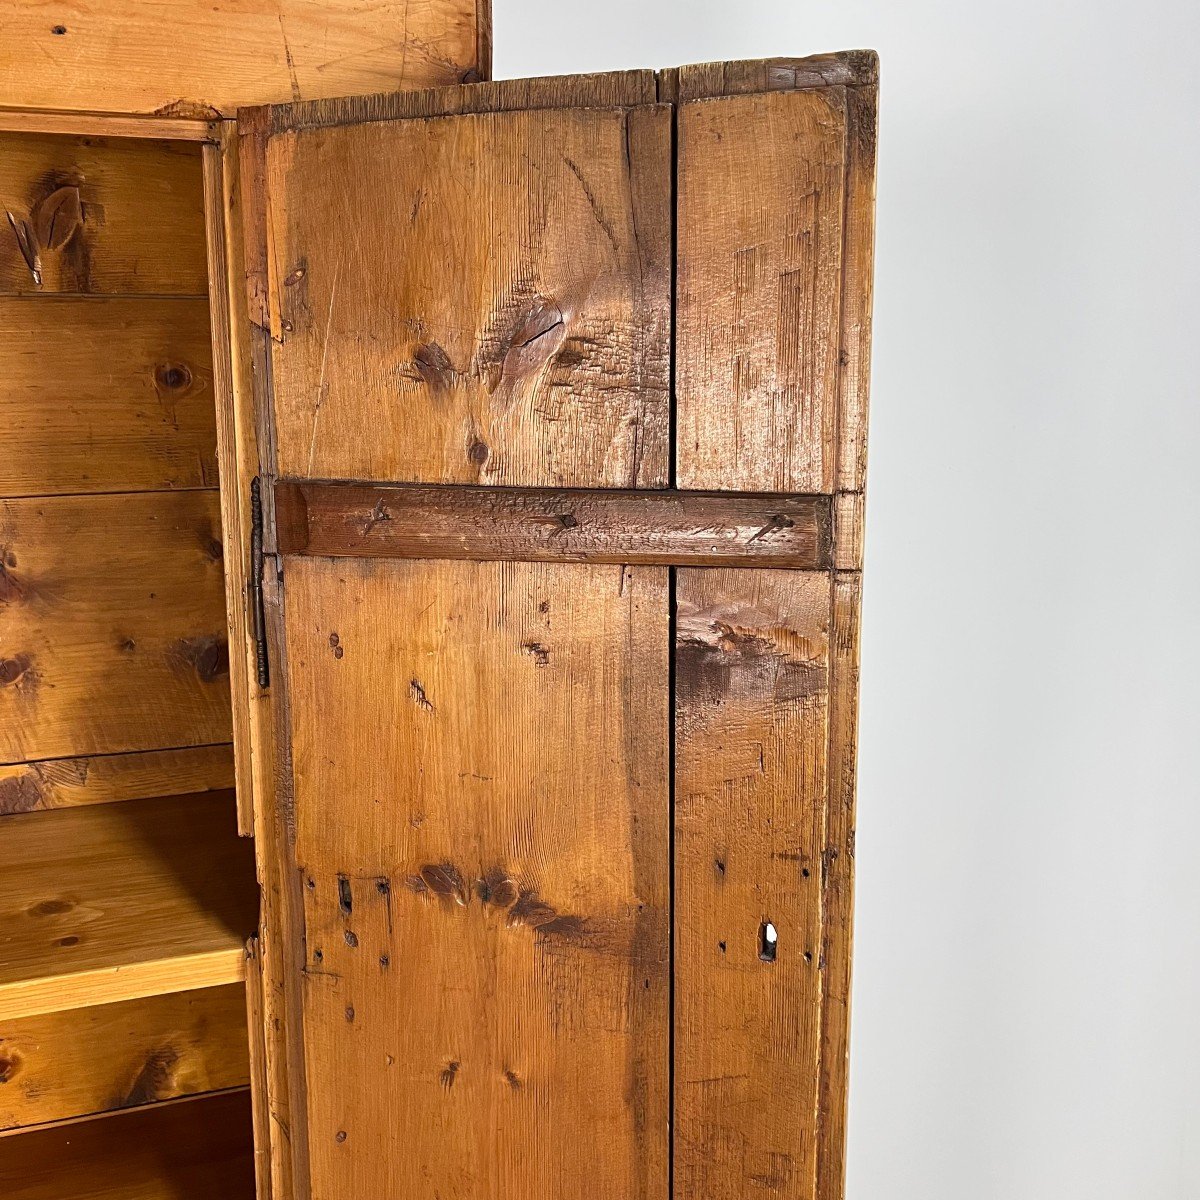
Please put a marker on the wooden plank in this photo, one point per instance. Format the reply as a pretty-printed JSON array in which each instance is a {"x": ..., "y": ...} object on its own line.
[
  {"x": 760, "y": 204},
  {"x": 93, "y": 124},
  {"x": 118, "y": 901},
  {"x": 192, "y": 1149},
  {"x": 72, "y": 1064},
  {"x": 604, "y": 89},
  {"x": 700, "y": 81},
  {"x": 114, "y": 625},
  {"x": 482, "y": 823},
  {"x": 112, "y": 216},
  {"x": 751, "y": 729},
  {"x": 105, "y": 395},
  {"x": 542, "y": 358},
  {"x": 552, "y": 525},
  {"x": 257, "y": 1017},
  {"x": 182, "y": 58},
  {"x": 837, "y": 886},
  {"x": 105, "y": 778}
]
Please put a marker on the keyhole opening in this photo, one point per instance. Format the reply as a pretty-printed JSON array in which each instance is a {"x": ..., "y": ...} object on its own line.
[{"x": 768, "y": 941}]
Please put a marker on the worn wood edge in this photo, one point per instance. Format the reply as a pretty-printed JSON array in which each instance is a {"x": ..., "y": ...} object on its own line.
[
  {"x": 662, "y": 527},
  {"x": 49, "y": 783},
  {"x": 837, "y": 886},
  {"x": 233, "y": 532},
  {"x": 256, "y": 1020},
  {"x": 848, "y": 525},
  {"x": 609, "y": 89},
  {"x": 105, "y": 124},
  {"x": 700, "y": 81},
  {"x": 483, "y": 41},
  {"x": 118, "y": 1113},
  {"x": 129, "y": 981},
  {"x": 858, "y": 252},
  {"x": 281, "y": 929}
]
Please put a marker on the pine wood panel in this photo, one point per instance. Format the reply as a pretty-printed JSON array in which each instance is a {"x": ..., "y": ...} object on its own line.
[
  {"x": 760, "y": 212},
  {"x": 114, "y": 625},
  {"x": 105, "y": 395},
  {"x": 522, "y": 260},
  {"x": 481, "y": 819},
  {"x": 195, "y": 1149},
  {"x": 176, "y": 56},
  {"x": 751, "y": 727},
  {"x": 100, "y": 215},
  {"x": 552, "y": 525},
  {"x": 70, "y": 782},
  {"x": 92, "y": 1060},
  {"x": 118, "y": 901}
]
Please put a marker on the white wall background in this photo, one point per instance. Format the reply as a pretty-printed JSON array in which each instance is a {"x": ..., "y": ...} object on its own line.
[{"x": 1027, "y": 990}]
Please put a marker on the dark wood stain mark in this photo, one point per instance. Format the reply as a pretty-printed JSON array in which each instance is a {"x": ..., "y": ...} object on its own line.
[
  {"x": 351, "y": 939},
  {"x": 477, "y": 451},
  {"x": 345, "y": 895},
  {"x": 512, "y": 1079},
  {"x": 378, "y": 515},
  {"x": 27, "y": 245},
  {"x": 434, "y": 367},
  {"x": 445, "y": 881},
  {"x": 537, "y": 914},
  {"x": 350, "y": 1014},
  {"x": 536, "y": 340},
  {"x": 539, "y": 653},
  {"x": 207, "y": 656},
  {"x": 12, "y": 589},
  {"x": 418, "y": 694},
  {"x": 50, "y": 908},
  {"x": 20, "y": 793},
  {"x": 155, "y": 1081},
  {"x": 449, "y": 1072},
  {"x": 172, "y": 380},
  {"x": 10, "y": 1065},
  {"x": 340, "y": 1136},
  {"x": 497, "y": 889},
  {"x": 335, "y": 644},
  {"x": 16, "y": 669},
  {"x": 774, "y": 525}
]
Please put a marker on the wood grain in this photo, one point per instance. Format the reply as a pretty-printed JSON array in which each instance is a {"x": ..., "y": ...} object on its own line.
[
  {"x": 115, "y": 1056},
  {"x": 482, "y": 822},
  {"x": 105, "y": 395},
  {"x": 760, "y": 204},
  {"x": 194, "y": 1149},
  {"x": 118, "y": 901},
  {"x": 178, "y": 57},
  {"x": 703, "y": 81},
  {"x": 552, "y": 525},
  {"x": 92, "y": 124},
  {"x": 97, "y": 215},
  {"x": 522, "y": 260},
  {"x": 105, "y": 778},
  {"x": 114, "y": 625},
  {"x": 751, "y": 729}
]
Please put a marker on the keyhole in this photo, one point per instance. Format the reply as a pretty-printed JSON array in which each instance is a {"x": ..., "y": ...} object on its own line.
[{"x": 768, "y": 941}]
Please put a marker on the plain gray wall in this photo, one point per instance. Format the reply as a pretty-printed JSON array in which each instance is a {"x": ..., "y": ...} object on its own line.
[{"x": 1027, "y": 994}]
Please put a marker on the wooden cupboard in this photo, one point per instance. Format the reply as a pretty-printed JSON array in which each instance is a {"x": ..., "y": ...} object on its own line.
[{"x": 455, "y": 491}]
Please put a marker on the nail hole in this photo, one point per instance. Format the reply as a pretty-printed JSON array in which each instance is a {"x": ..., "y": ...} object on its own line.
[
  {"x": 345, "y": 899},
  {"x": 768, "y": 942},
  {"x": 58, "y": 30}
]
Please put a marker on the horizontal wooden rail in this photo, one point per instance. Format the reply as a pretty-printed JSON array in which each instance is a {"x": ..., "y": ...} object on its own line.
[{"x": 552, "y": 525}]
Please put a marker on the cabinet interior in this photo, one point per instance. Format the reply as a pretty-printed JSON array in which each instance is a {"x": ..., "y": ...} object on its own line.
[{"x": 128, "y": 895}]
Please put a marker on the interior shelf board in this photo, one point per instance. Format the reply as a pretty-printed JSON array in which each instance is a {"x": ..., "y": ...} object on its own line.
[{"x": 122, "y": 901}]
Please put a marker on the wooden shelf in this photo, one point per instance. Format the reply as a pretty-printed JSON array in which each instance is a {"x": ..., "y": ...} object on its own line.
[
  {"x": 120, "y": 901},
  {"x": 186, "y": 1150}
]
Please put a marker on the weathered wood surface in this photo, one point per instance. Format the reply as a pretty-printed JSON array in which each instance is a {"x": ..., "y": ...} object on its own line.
[
  {"x": 482, "y": 821},
  {"x": 195, "y": 1149},
  {"x": 552, "y": 525},
  {"x": 91, "y": 124},
  {"x": 118, "y": 901},
  {"x": 113, "y": 636},
  {"x": 703, "y": 81},
  {"x": 751, "y": 728},
  {"x": 179, "y": 57},
  {"x": 115, "y": 1056},
  {"x": 105, "y": 778},
  {"x": 761, "y": 182},
  {"x": 105, "y": 395},
  {"x": 96, "y": 215},
  {"x": 522, "y": 260}
]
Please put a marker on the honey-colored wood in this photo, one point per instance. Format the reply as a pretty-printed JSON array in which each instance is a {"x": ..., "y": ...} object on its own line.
[
  {"x": 92, "y": 124},
  {"x": 105, "y": 778},
  {"x": 114, "y": 625},
  {"x": 257, "y": 1017},
  {"x": 481, "y": 820},
  {"x": 751, "y": 728},
  {"x": 105, "y": 395},
  {"x": 761, "y": 182},
  {"x": 100, "y": 216},
  {"x": 703, "y": 81},
  {"x": 118, "y": 901},
  {"x": 195, "y": 1149},
  {"x": 552, "y": 525},
  {"x": 180, "y": 58},
  {"x": 522, "y": 259},
  {"x": 84, "y": 1061}
]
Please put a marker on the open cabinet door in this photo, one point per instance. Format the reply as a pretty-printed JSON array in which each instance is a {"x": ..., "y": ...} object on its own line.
[{"x": 561, "y": 388}]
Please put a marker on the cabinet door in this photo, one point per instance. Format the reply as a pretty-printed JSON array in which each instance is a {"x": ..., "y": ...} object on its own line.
[{"x": 557, "y": 384}]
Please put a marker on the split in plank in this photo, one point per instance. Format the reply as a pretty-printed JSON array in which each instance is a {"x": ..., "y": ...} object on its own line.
[{"x": 553, "y": 525}]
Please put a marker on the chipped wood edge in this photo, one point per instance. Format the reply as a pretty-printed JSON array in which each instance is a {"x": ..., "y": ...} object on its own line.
[
  {"x": 112, "y": 125},
  {"x": 704, "y": 81},
  {"x": 256, "y": 1015},
  {"x": 129, "y": 981}
]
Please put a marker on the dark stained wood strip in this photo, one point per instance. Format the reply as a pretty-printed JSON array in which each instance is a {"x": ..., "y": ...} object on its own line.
[
  {"x": 552, "y": 525},
  {"x": 702, "y": 81}
]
